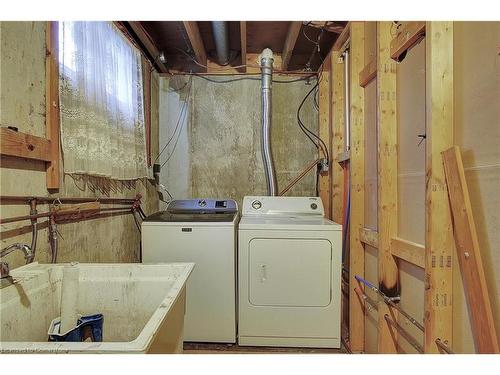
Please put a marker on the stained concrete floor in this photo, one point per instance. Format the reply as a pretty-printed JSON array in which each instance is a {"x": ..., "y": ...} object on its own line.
[{"x": 210, "y": 348}]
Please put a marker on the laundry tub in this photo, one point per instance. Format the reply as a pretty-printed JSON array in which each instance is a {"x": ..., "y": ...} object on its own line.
[{"x": 143, "y": 307}]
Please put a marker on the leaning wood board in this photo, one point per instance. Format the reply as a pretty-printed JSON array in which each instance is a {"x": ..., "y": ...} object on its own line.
[{"x": 469, "y": 254}]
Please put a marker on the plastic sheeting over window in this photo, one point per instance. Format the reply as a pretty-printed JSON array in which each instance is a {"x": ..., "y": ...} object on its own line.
[{"x": 101, "y": 100}]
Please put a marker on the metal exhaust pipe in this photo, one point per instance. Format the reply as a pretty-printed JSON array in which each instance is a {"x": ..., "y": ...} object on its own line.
[
  {"x": 220, "y": 32},
  {"x": 266, "y": 65}
]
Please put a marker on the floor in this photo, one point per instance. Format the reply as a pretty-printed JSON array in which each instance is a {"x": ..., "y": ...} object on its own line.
[{"x": 209, "y": 348}]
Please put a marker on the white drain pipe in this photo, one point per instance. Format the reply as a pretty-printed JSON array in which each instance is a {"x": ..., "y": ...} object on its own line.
[{"x": 266, "y": 60}]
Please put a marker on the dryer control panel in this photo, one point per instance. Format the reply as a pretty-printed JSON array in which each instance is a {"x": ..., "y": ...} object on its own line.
[{"x": 282, "y": 206}]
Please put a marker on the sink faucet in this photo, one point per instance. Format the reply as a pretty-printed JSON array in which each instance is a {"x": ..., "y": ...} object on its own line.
[{"x": 4, "y": 266}]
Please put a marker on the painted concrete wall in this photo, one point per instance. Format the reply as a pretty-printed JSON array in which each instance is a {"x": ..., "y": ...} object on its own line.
[
  {"x": 175, "y": 111},
  {"x": 22, "y": 88},
  {"x": 218, "y": 153}
]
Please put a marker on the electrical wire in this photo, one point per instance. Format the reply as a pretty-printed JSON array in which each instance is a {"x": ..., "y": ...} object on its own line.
[
  {"x": 306, "y": 78},
  {"x": 310, "y": 134},
  {"x": 180, "y": 130},
  {"x": 181, "y": 113}
]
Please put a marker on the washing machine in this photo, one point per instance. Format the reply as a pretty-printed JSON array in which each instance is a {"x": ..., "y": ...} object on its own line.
[
  {"x": 289, "y": 272},
  {"x": 203, "y": 231}
]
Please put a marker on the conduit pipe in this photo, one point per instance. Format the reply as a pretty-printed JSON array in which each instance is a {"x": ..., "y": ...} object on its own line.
[
  {"x": 220, "y": 32},
  {"x": 34, "y": 228},
  {"x": 405, "y": 334},
  {"x": 443, "y": 346},
  {"x": 266, "y": 60},
  {"x": 347, "y": 102}
]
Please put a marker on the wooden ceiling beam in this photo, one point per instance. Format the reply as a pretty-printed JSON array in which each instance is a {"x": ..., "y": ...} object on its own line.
[
  {"x": 343, "y": 37},
  {"x": 148, "y": 43},
  {"x": 331, "y": 26},
  {"x": 291, "y": 39},
  {"x": 193, "y": 33}
]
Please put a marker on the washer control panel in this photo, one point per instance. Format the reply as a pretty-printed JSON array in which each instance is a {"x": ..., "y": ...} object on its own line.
[{"x": 202, "y": 205}]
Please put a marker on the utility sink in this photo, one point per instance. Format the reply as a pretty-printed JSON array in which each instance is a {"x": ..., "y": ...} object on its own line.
[{"x": 143, "y": 307}]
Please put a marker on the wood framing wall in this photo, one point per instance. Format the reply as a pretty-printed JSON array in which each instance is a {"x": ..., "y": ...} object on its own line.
[{"x": 412, "y": 243}]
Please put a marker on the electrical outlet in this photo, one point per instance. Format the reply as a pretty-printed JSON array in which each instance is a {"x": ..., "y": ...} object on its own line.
[{"x": 324, "y": 165}]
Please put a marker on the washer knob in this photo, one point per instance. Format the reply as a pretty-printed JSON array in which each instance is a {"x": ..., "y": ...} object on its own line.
[
  {"x": 256, "y": 205},
  {"x": 202, "y": 203},
  {"x": 314, "y": 206}
]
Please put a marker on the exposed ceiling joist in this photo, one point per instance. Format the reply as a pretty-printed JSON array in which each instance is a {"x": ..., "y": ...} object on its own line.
[
  {"x": 193, "y": 33},
  {"x": 342, "y": 39},
  {"x": 291, "y": 39},
  {"x": 331, "y": 26},
  {"x": 148, "y": 44}
]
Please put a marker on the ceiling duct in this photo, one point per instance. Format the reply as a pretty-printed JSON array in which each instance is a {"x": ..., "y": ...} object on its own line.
[{"x": 220, "y": 32}]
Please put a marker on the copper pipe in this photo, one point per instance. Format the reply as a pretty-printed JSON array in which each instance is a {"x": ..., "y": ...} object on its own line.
[
  {"x": 65, "y": 213},
  {"x": 405, "y": 334},
  {"x": 27, "y": 229},
  {"x": 6, "y": 199},
  {"x": 443, "y": 346},
  {"x": 299, "y": 177}
]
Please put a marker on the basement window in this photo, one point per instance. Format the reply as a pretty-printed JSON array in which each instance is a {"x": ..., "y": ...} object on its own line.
[{"x": 101, "y": 100}]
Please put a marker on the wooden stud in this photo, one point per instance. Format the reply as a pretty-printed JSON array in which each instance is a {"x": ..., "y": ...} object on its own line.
[
  {"x": 387, "y": 182},
  {"x": 24, "y": 145},
  {"x": 243, "y": 39},
  {"x": 410, "y": 252},
  {"x": 147, "y": 108},
  {"x": 357, "y": 177},
  {"x": 52, "y": 121},
  {"x": 337, "y": 123},
  {"x": 291, "y": 39},
  {"x": 469, "y": 254},
  {"x": 324, "y": 103},
  {"x": 369, "y": 237},
  {"x": 368, "y": 73},
  {"x": 148, "y": 43},
  {"x": 194, "y": 36},
  {"x": 410, "y": 34},
  {"x": 438, "y": 230}
]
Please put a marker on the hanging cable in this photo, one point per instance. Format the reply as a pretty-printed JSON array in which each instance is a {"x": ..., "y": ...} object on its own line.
[
  {"x": 180, "y": 130},
  {"x": 181, "y": 114}
]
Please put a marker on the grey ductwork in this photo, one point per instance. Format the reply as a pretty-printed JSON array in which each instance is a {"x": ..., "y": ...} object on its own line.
[
  {"x": 266, "y": 65},
  {"x": 221, "y": 38}
]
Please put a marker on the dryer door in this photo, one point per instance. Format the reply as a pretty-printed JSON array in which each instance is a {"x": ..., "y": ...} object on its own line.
[{"x": 293, "y": 272}]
